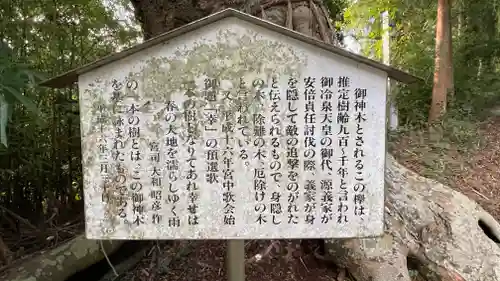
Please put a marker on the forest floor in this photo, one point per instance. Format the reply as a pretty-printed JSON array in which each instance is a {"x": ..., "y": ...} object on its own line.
[{"x": 466, "y": 159}]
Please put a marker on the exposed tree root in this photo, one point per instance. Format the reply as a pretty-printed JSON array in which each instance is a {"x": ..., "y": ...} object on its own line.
[
  {"x": 63, "y": 261},
  {"x": 450, "y": 237}
]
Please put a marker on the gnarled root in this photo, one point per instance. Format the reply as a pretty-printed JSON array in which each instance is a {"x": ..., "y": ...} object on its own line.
[
  {"x": 447, "y": 235},
  {"x": 63, "y": 261}
]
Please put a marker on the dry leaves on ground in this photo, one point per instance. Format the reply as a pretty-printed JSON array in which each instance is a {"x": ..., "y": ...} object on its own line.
[
  {"x": 205, "y": 261},
  {"x": 475, "y": 173}
]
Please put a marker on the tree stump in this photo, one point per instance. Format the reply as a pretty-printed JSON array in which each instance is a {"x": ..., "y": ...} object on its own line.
[{"x": 443, "y": 234}]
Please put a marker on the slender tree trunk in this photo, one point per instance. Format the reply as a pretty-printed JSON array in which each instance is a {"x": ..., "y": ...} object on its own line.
[
  {"x": 443, "y": 72},
  {"x": 451, "y": 91}
]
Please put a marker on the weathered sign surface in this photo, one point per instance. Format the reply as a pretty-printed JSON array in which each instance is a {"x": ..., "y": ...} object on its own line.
[{"x": 233, "y": 131}]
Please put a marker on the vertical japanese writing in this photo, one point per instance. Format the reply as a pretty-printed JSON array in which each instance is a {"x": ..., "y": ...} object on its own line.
[
  {"x": 359, "y": 185},
  {"x": 272, "y": 150},
  {"x": 156, "y": 177},
  {"x": 275, "y": 164},
  {"x": 343, "y": 105},
  {"x": 172, "y": 162},
  {"x": 102, "y": 120},
  {"x": 191, "y": 119},
  {"x": 212, "y": 146},
  {"x": 228, "y": 194},
  {"x": 309, "y": 149},
  {"x": 260, "y": 184},
  {"x": 242, "y": 125},
  {"x": 156, "y": 182},
  {"x": 134, "y": 134},
  {"x": 117, "y": 153},
  {"x": 292, "y": 154},
  {"x": 326, "y": 152},
  {"x": 102, "y": 143}
]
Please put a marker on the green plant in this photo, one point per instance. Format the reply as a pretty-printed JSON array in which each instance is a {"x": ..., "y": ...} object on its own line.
[{"x": 15, "y": 78}]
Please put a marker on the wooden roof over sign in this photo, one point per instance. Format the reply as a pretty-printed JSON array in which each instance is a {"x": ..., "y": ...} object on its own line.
[{"x": 71, "y": 77}]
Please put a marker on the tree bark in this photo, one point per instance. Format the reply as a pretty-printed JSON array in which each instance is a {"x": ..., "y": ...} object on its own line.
[
  {"x": 439, "y": 232},
  {"x": 63, "y": 261},
  {"x": 443, "y": 66},
  {"x": 307, "y": 16},
  {"x": 5, "y": 253}
]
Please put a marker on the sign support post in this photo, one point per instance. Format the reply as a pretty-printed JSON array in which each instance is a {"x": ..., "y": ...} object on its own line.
[{"x": 235, "y": 260}]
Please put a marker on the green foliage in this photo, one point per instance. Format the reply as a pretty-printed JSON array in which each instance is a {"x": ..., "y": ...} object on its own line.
[
  {"x": 475, "y": 52},
  {"x": 41, "y": 164},
  {"x": 14, "y": 77},
  {"x": 336, "y": 8}
]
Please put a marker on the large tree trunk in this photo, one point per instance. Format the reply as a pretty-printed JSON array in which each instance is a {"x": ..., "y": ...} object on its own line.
[
  {"x": 443, "y": 72},
  {"x": 309, "y": 17}
]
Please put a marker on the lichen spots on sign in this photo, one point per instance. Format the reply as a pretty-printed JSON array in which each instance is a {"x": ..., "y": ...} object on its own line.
[{"x": 230, "y": 58}]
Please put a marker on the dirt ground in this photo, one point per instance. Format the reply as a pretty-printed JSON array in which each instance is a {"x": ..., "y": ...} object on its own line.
[
  {"x": 204, "y": 261},
  {"x": 474, "y": 172}
]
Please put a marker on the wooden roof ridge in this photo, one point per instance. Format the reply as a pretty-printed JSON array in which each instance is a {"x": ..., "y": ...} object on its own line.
[{"x": 71, "y": 77}]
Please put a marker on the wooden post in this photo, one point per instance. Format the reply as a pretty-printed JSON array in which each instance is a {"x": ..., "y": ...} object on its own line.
[
  {"x": 386, "y": 56},
  {"x": 235, "y": 260}
]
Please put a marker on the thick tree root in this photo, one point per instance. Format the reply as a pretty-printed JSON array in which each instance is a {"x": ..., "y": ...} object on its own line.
[
  {"x": 63, "y": 261},
  {"x": 5, "y": 253},
  {"x": 447, "y": 235}
]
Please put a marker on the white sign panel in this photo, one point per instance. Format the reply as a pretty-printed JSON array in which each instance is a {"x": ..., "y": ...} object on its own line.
[{"x": 233, "y": 131}]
